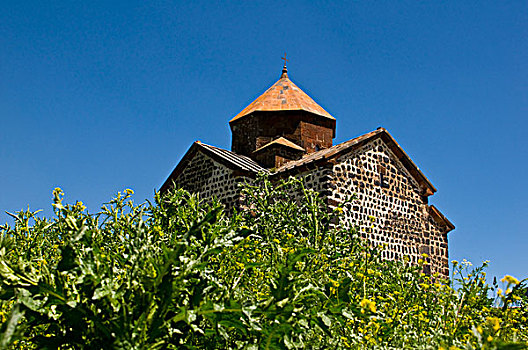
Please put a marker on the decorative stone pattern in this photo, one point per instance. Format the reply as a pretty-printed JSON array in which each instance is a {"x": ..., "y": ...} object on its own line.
[
  {"x": 389, "y": 208},
  {"x": 211, "y": 179}
]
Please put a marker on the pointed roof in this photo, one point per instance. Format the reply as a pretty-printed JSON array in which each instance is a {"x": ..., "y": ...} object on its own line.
[
  {"x": 284, "y": 95},
  {"x": 283, "y": 142}
]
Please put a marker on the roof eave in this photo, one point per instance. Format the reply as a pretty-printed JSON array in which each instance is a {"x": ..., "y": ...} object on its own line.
[
  {"x": 429, "y": 189},
  {"x": 440, "y": 218},
  {"x": 243, "y": 116},
  {"x": 179, "y": 167}
]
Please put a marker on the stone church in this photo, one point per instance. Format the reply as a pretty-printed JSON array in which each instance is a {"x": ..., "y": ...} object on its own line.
[{"x": 285, "y": 133}]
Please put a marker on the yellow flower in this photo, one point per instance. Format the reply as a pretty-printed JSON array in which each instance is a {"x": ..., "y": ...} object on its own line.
[
  {"x": 510, "y": 280},
  {"x": 129, "y": 191},
  {"x": 365, "y": 303},
  {"x": 334, "y": 283},
  {"x": 490, "y": 338},
  {"x": 494, "y": 322},
  {"x": 58, "y": 191}
]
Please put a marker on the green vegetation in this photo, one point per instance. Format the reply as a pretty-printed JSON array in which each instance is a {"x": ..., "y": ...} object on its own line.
[{"x": 179, "y": 273}]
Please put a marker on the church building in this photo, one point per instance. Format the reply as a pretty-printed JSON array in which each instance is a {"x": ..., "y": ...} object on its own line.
[{"x": 284, "y": 132}]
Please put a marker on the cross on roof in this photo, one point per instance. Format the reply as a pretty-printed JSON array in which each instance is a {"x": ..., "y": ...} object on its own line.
[{"x": 285, "y": 59}]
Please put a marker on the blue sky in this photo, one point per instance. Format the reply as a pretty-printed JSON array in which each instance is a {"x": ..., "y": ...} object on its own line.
[{"x": 100, "y": 96}]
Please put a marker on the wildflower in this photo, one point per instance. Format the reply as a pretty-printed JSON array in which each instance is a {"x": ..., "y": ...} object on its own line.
[
  {"x": 494, "y": 322},
  {"x": 334, "y": 283},
  {"x": 276, "y": 240},
  {"x": 129, "y": 191},
  {"x": 58, "y": 191},
  {"x": 490, "y": 338},
  {"x": 510, "y": 280},
  {"x": 57, "y": 198},
  {"x": 467, "y": 263},
  {"x": 365, "y": 303}
]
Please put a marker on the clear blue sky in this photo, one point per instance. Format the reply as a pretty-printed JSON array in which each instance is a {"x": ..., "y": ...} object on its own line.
[{"x": 98, "y": 96}]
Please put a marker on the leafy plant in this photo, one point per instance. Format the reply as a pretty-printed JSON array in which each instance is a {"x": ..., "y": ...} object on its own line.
[{"x": 181, "y": 273}]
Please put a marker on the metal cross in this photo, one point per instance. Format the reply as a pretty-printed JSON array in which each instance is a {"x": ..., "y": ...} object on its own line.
[{"x": 285, "y": 59}]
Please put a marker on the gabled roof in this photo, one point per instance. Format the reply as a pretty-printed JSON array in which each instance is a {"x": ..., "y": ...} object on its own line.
[
  {"x": 282, "y": 142},
  {"x": 231, "y": 160},
  {"x": 284, "y": 95},
  {"x": 337, "y": 150},
  {"x": 249, "y": 166}
]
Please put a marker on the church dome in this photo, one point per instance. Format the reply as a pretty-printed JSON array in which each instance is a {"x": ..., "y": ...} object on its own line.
[{"x": 284, "y": 95}]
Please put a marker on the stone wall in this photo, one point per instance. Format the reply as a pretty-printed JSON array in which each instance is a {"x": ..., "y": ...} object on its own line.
[
  {"x": 307, "y": 130},
  {"x": 314, "y": 137},
  {"x": 389, "y": 208},
  {"x": 210, "y": 179}
]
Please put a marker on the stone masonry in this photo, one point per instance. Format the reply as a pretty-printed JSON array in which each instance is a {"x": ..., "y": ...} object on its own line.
[{"x": 389, "y": 208}]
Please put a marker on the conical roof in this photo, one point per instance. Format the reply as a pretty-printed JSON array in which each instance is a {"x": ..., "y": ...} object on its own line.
[{"x": 284, "y": 95}]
